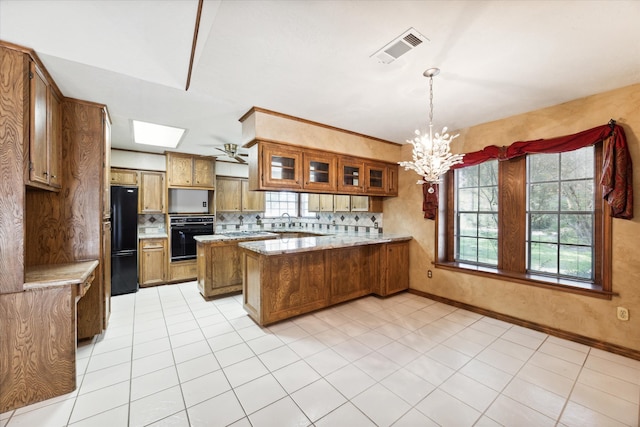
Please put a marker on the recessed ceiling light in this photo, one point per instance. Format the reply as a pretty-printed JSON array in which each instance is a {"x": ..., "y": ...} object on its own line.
[{"x": 158, "y": 135}]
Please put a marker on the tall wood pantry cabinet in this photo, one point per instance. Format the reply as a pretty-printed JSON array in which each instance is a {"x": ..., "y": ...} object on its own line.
[{"x": 53, "y": 210}]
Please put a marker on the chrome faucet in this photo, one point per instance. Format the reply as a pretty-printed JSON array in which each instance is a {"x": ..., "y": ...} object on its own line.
[{"x": 288, "y": 216}]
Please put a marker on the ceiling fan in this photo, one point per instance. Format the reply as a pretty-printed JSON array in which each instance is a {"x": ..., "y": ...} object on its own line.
[{"x": 231, "y": 150}]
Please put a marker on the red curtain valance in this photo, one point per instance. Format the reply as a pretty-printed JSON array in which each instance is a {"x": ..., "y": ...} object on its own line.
[{"x": 617, "y": 170}]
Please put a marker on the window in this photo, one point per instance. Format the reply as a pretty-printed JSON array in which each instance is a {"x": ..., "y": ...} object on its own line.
[
  {"x": 476, "y": 229},
  {"x": 537, "y": 219},
  {"x": 278, "y": 203},
  {"x": 560, "y": 215}
]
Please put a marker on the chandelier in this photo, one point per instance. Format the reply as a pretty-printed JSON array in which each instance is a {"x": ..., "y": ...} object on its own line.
[{"x": 432, "y": 157}]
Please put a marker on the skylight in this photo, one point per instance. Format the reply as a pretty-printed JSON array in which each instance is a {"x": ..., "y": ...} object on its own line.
[{"x": 158, "y": 135}]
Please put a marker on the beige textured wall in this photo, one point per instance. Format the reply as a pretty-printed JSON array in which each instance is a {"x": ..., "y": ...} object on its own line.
[{"x": 587, "y": 316}]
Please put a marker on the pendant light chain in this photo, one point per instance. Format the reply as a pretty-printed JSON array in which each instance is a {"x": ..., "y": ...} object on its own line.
[
  {"x": 432, "y": 155},
  {"x": 430, "y": 101}
]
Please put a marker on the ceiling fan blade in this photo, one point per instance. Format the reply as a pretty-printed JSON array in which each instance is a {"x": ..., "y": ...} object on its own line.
[
  {"x": 220, "y": 149},
  {"x": 240, "y": 159}
]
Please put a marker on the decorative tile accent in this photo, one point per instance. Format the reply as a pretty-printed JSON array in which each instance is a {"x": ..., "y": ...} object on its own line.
[{"x": 322, "y": 221}]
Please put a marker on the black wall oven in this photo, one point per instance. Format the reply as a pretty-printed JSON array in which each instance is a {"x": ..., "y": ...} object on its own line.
[{"x": 183, "y": 230}]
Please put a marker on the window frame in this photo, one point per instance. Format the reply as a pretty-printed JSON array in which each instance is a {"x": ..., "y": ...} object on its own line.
[
  {"x": 512, "y": 192},
  {"x": 301, "y": 205}
]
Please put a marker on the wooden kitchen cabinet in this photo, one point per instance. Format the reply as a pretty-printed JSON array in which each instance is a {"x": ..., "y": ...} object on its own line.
[
  {"x": 354, "y": 272},
  {"x": 220, "y": 266},
  {"x": 181, "y": 271},
  {"x": 281, "y": 167},
  {"x": 347, "y": 203},
  {"x": 151, "y": 197},
  {"x": 203, "y": 172},
  {"x": 186, "y": 170},
  {"x": 233, "y": 195},
  {"x": 54, "y": 122},
  {"x": 153, "y": 261},
  {"x": 350, "y": 175},
  {"x": 394, "y": 260},
  {"x": 45, "y": 132},
  {"x": 392, "y": 180},
  {"x": 252, "y": 201},
  {"x": 228, "y": 194},
  {"x": 288, "y": 167},
  {"x": 278, "y": 285},
  {"x": 321, "y": 202},
  {"x": 375, "y": 178},
  {"x": 124, "y": 177},
  {"x": 319, "y": 171}
]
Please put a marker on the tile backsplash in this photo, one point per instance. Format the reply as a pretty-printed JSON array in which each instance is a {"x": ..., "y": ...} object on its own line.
[
  {"x": 151, "y": 223},
  {"x": 361, "y": 222}
]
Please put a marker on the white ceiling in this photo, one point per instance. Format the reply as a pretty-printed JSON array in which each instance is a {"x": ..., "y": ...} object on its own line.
[{"x": 311, "y": 59}]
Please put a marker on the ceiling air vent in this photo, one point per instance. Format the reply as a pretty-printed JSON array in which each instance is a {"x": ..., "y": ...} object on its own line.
[{"x": 399, "y": 46}]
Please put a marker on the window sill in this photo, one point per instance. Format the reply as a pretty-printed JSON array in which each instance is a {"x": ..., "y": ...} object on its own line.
[{"x": 563, "y": 285}]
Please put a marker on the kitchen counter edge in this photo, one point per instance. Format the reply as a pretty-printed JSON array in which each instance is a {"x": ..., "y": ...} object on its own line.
[{"x": 308, "y": 244}]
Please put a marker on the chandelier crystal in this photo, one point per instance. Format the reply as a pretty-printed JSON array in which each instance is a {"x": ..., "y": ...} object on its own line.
[{"x": 432, "y": 155}]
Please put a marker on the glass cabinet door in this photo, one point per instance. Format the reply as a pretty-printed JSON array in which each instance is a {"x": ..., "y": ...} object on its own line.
[
  {"x": 376, "y": 176},
  {"x": 351, "y": 175},
  {"x": 281, "y": 167},
  {"x": 319, "y": 171}
]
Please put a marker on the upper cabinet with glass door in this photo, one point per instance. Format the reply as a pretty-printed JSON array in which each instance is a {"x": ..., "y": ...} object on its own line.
[
  {"x": 281, "y": 167},
  {"x": 376, "y": 178},
  {"x": 351, "y": 175},
  {"x": 276, "y": 166},
  {"x": 319, "y": 171}
]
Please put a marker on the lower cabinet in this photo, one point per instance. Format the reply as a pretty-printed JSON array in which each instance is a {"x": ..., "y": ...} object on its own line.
[
  {"x": 153, "y": 262},
  {"x": 219, "y": 268},
  {"x": 181, "y": 271},
  {"x": 353, "y": 272},
  {"x": 394, "y": 260},
  {"x": 281, "y": 286}
]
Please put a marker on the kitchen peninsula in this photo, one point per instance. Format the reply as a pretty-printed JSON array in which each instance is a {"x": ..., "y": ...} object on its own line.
[{"x": 284, "y": 278}]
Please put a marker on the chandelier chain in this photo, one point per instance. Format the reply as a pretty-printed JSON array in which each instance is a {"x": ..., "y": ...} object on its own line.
[
  {"x": 430, "y": 100},
  {"x": 432, "y": 155}
]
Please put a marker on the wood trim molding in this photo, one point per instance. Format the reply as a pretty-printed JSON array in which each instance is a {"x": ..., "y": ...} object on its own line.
[
  {"x": 194, "y": 43},
  {"x": 602, "y": 345},
  {"x": 310, "y": 122}
]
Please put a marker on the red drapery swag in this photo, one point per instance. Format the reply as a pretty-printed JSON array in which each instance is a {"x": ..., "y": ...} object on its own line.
[{"x": 617, "y": 170}]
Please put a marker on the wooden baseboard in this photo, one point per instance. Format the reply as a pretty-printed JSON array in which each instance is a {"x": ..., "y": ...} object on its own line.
[{"x": 602, "y": 345}]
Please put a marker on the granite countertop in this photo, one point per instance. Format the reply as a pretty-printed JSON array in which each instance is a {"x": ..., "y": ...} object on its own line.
[
  {"x": 235, "y": 235},
  {"x": 51, "y": 275},
  {"x": 307, "y": 244}
]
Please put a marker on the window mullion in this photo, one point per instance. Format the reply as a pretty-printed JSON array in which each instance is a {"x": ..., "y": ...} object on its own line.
[{"x": 512, "y": 215}]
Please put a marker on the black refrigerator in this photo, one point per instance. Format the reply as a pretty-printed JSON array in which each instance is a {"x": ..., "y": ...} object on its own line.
[{"x": 124, "y": 240}]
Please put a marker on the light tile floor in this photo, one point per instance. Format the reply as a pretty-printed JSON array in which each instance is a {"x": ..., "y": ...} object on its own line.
[{"x": 170, "y": 358}]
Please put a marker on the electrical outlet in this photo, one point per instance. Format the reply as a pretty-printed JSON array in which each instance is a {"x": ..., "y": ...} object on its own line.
[
  {"x": 375, "y": 225},
  {"x": 429, "y": 274},
  {"x": 204, "y": 204},
  {"x": 622, "y": 313}
]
